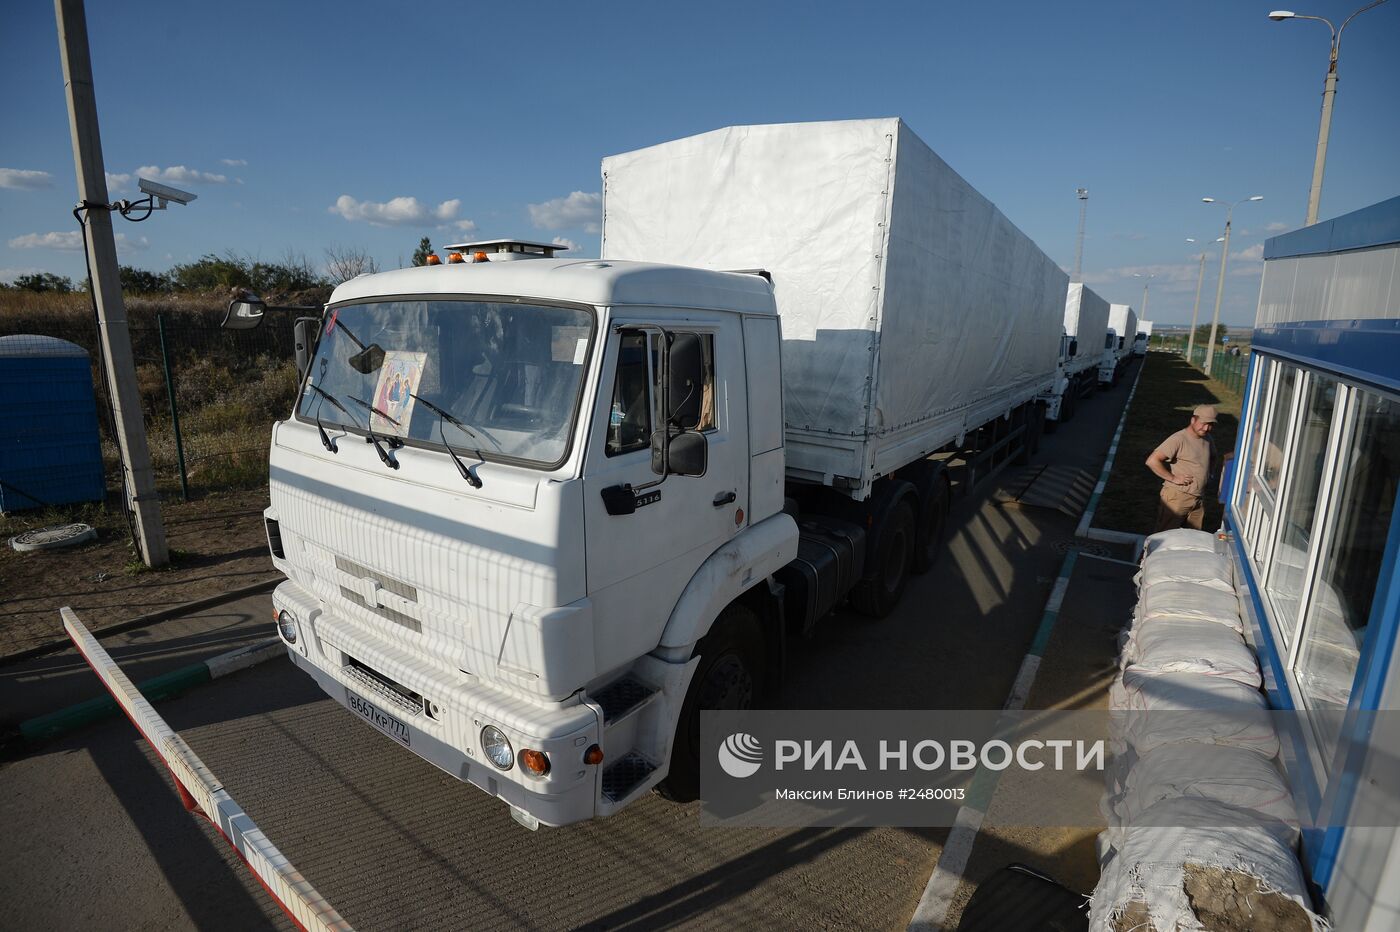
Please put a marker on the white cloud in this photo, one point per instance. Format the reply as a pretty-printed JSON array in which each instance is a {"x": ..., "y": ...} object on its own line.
[
  {"x": 9, "y": 275},
  {"x": 566, "y": 243},
  {"x": 25, "y": 179},
  {"x": 579, "y": 210},
  {"x": 234, "y": 163},
  {"x": 117, "y": 182},
  {"x": 465, "y": 226},
  {"x": 1253, "y": 253},
  {"x": 69, "y": 241},
  {"x": 1278, "y": 227},
  {"x": 180, "y": 174},
  {"x": 400, "y": 211}
]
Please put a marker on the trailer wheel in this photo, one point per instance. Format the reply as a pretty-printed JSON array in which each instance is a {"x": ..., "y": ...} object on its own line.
[
  {"x": 933, "y": 523},
  {"x": 730, "y": 677},
  {"x": 893, "y": 553}
]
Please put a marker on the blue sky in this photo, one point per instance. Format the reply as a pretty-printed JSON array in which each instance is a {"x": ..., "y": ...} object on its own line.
[{"x": 303, "y": 126}]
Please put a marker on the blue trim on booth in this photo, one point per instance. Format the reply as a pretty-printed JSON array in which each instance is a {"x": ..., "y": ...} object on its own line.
[
  {"x": 1362, "y": 350},
  {"x": 1377, "y": 225}
]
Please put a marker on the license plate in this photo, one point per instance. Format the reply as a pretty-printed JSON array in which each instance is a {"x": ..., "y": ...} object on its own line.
[{"x": 378, "y": 718}]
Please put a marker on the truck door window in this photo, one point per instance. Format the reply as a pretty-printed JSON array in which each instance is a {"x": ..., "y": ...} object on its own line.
[
  {"x": 637, "y": 392},
  {"x": 629, "y": 419}
]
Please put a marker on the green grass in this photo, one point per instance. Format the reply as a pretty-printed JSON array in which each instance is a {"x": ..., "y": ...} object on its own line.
[{"x": 1166, "y": 393}]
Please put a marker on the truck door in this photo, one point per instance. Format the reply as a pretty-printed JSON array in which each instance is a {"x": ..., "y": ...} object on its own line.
[{"x": 639, "y": 563}]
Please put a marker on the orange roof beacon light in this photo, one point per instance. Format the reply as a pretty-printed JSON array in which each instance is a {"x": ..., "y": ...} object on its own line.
[
  {"x": 453, "y": 258},
  {"x": 433, "y": 259},
  {"x": 479, "y": 256}
]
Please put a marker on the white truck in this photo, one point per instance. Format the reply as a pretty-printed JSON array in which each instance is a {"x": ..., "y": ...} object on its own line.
[
  {"x": 535, "y": 514},
  {"x": 1083, "y": 353},
  {"x": 1122, "y": 330},
  {"x": 1144, "y": 336}
]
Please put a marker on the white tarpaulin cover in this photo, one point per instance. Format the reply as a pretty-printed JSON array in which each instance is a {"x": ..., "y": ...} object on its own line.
[
  {"x": 1123, "y": 319},
  {"x": 904, "y": 294},
  {"x": 1086, "y": 319}
]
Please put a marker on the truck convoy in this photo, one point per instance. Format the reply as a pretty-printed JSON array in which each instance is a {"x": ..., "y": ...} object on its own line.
[
  {"x": 536, "y": 514},
  {"x": 1083, "y": 354},
  {"x": 1122, "y": 331}
]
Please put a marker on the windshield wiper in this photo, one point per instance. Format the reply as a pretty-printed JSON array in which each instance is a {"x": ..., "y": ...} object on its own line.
[
  {"x": 326, "y": 440},
  {"x": 373, "y": 438},
  {"x": 472, "y": 480}
]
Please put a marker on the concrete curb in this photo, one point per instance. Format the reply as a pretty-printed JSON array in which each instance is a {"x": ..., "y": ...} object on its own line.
[
  {"x": 141, "y": 621},
  {"x": 53, "y": 725}
]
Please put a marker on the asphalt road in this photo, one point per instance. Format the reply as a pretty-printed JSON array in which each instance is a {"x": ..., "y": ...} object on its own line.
[{"x": 94, "y": 834}]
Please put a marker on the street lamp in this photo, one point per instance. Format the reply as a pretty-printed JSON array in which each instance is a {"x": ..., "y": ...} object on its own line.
[
  {"x": 1224, "y": 256},
  {"x": 1200, "y": 278},
  {"x": 1329, "y": 91},
  {"x": 1147, "y": 280}
]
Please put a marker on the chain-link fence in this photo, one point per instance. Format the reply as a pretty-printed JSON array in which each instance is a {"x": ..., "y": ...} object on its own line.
[
  {"x": 208, "y": 395},
  {"x": 1228, "y": 365}
]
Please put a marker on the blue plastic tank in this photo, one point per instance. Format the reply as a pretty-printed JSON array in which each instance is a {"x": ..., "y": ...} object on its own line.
[{"x": 50, "y": 453}]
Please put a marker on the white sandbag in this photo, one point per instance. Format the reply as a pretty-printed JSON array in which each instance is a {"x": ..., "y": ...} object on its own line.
[
  {"x": 1188, "y": 566},
  {"x": 1178, "y": 539},
  {"x": 1172, "y": 708},
  {"x": 1191, "y": 647},
  {"x": 1194, "y": 866},
  {"x": 1175, "y": 600},
  {"x": 1223, "y": 774}
]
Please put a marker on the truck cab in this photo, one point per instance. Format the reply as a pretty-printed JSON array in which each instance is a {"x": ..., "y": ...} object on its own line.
[{"x": 511, "y": 500}]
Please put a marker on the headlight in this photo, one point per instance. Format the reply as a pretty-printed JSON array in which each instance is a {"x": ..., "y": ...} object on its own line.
[
  {"x": 287, "y": 626},
  {"x": 496, "y": 746}
]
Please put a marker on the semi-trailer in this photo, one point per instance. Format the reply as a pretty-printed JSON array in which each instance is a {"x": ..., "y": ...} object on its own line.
[
  {"x": 1122, "y": 330},
  {"x": 1144, "y": 336},
  {"x": 536, "y": 514},
  {"x": 1082, "y": 353}
]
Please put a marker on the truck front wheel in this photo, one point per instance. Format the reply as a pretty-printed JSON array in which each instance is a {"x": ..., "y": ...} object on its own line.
[{"x": 730, "y": 677}]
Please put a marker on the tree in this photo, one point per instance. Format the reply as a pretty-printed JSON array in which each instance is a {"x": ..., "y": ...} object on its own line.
[
  {"x": 420, "y": 255},
  {"x": 140, "y": 281},
  {"x": 345, "y": 262},
  {"x": 1203, "y": 333},
  {"x": 44, "y": 281}
]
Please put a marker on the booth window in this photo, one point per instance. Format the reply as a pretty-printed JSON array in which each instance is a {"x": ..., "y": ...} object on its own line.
[{"x": 1339, "y": 608}]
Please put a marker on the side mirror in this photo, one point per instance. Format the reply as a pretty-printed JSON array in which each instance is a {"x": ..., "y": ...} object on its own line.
[
  {"x": 1073, "y": 348},
  {"x": 304, "y": 336},
  {"x": 685, "y": 380},
  {"x": 687, "y": 454},
  {"x": 244, "y": 315}
]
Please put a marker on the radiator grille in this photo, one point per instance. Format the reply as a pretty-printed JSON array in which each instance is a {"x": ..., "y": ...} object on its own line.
[{"x": 404, "y": 700}]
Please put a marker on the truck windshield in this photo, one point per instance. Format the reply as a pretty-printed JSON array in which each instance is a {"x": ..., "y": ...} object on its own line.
[{"x": 509, "y": 374}]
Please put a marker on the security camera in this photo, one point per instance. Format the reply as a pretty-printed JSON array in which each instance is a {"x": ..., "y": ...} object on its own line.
[{"x": 165, "y": 193}]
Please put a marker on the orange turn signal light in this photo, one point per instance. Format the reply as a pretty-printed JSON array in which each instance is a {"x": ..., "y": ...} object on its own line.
[
  {"x": 453, "y": 258},
  {"x": 593, "y": 755},
  {"x": 535, "y": 762},
  {"x": 433, "y": 259}
]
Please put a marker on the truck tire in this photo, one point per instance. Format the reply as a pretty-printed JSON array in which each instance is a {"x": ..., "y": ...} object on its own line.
[
  {"x": 730, "y": 676},
  {"x": 934, "y": 501},
  {"x": 892, "y": 553}
]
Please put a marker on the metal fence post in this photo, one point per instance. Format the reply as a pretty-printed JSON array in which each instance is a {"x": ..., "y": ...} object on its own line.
[{"x": 174, "y": 410}]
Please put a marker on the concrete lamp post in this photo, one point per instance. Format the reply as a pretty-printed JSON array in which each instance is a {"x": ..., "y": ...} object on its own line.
[
  {"x": 1196, "y": 310},
  {"x": 1329, "y": 91},
  {"x": 1224, "y": 257}
]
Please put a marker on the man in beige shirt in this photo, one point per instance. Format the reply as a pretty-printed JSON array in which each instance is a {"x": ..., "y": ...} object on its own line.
[{"x": 1184, "y": 462}]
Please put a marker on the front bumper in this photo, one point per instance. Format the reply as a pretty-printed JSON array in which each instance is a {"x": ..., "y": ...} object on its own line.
[{"x": 344, "y": 657}]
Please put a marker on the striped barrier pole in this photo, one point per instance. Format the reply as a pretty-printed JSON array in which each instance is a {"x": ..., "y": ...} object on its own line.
[{"x": 203, "y": 795}]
